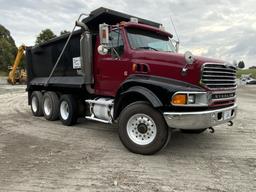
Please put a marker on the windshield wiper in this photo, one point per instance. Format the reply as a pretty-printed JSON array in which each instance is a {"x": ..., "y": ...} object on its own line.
[{"x": 149, "y": 48}]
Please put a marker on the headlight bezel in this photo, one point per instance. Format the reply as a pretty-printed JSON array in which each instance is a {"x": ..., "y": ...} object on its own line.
[{"x": 200, "y": 99}]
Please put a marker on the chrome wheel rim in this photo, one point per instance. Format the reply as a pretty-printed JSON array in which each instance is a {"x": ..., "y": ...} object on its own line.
[
  {"x": 34, "y": 104},
  {"x": 141, "y": 129},
  {"x": 47, "y": 106},
  {"x": 64, "y": 110}
]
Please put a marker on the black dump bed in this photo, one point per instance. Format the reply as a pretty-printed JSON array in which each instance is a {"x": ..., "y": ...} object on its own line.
[{"x": 42, "y": 58}]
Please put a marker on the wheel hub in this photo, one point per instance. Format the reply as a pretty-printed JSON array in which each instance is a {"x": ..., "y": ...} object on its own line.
[
  {"x": 141, "y": 129},
  {"x": 64, "y": 110},
  {"x": 47, "y": 106},
  {"x": 34, "y": 104}
]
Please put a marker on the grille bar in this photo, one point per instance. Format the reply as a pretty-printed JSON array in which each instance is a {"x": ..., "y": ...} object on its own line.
[
  {"x": 220, "y": 68},
  {"x": 219, "y": 80},
  {"x": 224, "y": 84},
  {"x": 219, "y": 72},
  {"x": 218, "y": 76}
]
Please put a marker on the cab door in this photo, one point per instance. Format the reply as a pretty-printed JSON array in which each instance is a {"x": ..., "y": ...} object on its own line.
[{"x": 111, "y": 69}]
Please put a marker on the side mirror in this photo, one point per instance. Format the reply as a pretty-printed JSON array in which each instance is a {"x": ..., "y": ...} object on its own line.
[
  {"x": 104, "y": 34},
  {"x": 102, "y": 50},
  {"x": 241, "y": 65}
]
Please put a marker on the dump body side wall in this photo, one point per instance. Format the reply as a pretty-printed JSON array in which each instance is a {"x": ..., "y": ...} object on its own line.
[{"x": 42, "y": 58}]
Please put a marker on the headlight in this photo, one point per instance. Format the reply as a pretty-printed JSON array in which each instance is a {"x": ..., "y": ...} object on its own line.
[{"x": 190, "y": 99}]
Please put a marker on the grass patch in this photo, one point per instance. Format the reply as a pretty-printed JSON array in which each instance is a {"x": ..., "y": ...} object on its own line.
[
  {"x": 3, "y": 73},
  {"x": 246, "y": 71}
]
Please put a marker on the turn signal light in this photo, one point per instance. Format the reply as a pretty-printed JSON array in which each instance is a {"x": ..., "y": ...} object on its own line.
[
  {"x": 179, "y": 99},
  {"x": 134, "y": 67}
]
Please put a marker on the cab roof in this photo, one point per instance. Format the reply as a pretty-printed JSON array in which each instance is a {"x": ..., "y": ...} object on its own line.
[{"x": 111, "y": 17}]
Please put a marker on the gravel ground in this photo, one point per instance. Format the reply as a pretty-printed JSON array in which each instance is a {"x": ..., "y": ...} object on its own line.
[
  {"x": 38, "y": 155},
  {"x": 3, "y": 80}
]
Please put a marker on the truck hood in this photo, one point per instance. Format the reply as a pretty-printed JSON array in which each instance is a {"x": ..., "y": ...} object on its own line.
[{"x": 168, "y": 64}]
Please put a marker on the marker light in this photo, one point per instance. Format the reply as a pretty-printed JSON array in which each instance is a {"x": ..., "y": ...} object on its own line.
[
  {"x": 134, "y": 67},
  {"x": 161, "y": 27},
  {"x": 134, "y": 20}
]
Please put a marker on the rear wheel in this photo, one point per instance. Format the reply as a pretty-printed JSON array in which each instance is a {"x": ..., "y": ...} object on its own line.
[
  {"x": 68, "y": 110},
  {"x": 193, "y": 131},
  {"x": 36, "y": 103},
  {"x": 51, "y": 106},
  {"x": 142, "y": 129}
]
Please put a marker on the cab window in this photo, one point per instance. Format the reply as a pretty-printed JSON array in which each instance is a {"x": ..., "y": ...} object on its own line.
[{"x": 116, "y": 43}]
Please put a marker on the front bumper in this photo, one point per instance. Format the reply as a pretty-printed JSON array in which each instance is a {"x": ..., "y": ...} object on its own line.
[{"x": 200, "y": 119}]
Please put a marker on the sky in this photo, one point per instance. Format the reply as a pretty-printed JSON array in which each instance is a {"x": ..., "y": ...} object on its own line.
[{"x": 223, "y": 29}]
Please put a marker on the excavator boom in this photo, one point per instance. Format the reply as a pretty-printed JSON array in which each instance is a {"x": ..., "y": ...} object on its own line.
[{"x": 12, "y": 75}]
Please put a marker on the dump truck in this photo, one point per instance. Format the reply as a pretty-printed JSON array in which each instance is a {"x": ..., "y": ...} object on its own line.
[{"x": 118, "y": 68}]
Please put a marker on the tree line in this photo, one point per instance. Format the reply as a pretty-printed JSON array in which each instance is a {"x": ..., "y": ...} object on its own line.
[{"x": 8, "y": 49}]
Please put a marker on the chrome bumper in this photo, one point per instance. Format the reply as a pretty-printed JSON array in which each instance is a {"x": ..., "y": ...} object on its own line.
[{"x": 199, "y": 120}]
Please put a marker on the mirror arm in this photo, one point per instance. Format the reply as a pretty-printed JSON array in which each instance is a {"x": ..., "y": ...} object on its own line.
[
  {"x": 114, "y": 50},
  {"x": 177, "y": 46}
]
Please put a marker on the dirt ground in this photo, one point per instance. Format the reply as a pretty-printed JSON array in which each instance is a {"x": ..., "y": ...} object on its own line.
[{"x": 38, "y": 155}]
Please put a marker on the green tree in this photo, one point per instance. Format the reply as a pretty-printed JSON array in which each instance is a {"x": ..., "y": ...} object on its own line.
[
  {"x": 241, "y": 64},
  {"x": 8, "y": 49},
  {"x": 64, "y": 32},
  {"x": 45, "y": 35}
]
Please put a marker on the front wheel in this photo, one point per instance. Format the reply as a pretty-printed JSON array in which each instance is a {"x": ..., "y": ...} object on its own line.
[{"x": 142, "y": 129}]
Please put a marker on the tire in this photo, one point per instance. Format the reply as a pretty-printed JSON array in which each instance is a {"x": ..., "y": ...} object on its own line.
[
  {"x": 36, "y": 103},
  {"x": 50, "y": 106},
  {"x": 136, "y": 135},
  {"x": 193, "y": 131},
  {"x": 68, "y": 110}
]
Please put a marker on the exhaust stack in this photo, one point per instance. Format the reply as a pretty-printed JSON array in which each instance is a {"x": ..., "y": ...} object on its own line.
[{"x": 86, "y": 56}]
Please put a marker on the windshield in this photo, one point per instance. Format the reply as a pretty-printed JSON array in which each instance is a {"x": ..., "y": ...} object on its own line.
[{"x": 149, "y": 40}]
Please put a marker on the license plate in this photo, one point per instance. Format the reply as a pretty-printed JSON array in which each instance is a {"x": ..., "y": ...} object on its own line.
[{"x": 227, "y": 114}]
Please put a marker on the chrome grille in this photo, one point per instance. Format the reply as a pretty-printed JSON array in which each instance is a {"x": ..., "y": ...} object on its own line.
[{"x": 218, "y": 76}]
